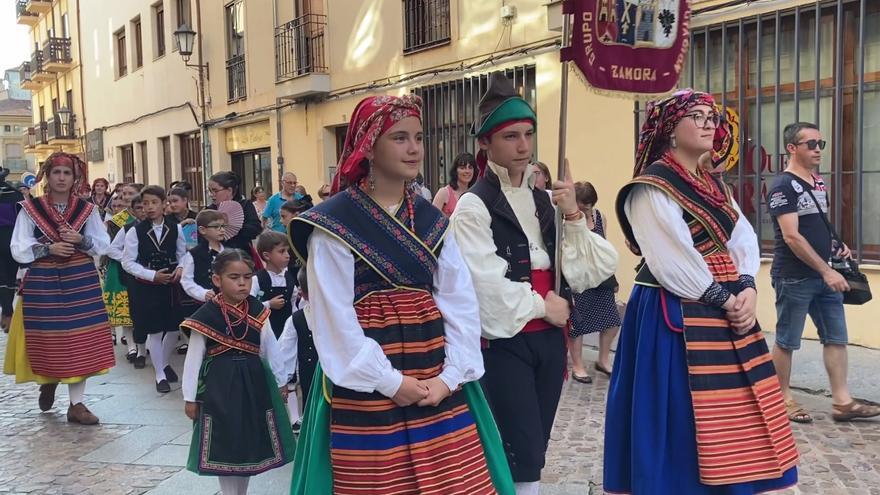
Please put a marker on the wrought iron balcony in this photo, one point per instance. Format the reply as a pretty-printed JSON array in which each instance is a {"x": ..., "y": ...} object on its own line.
[
  {"x": 236, "y": 82},
  {"x": 59, "y": 131},
  {"x": 25, "y": 16},
  {"x": 42, "y": 134},
  {"x": 57, "y": 55},
  {"x": 31, "y": 136},
  {"x": 299, "y": 47}
]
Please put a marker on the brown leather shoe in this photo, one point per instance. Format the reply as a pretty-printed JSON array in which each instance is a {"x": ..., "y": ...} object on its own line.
[
  {"x": 47, "y": 396},
  {"x": 81, "y": 414}
]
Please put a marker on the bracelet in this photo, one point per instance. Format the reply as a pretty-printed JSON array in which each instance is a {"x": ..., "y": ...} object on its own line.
[{"x": 573, "y": 216}]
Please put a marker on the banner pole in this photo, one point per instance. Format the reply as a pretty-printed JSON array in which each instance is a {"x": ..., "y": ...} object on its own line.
[{"x": 560, "y": 169}]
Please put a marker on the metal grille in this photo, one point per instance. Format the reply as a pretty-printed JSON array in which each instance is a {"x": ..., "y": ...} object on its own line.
[
  {"x": 191, "y": 166},
  {"x": 57, "y": 50},
  {"x": 426, "y": 24},
  {"x": 127, "y": 154},
  {"x": 235, "y": 79},
  {"x": 448, "y": 111},
  {"x": 803, "y": 64},
  {"x": 299, "y": 47}
]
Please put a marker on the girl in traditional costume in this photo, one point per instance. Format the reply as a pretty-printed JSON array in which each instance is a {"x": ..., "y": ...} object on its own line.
[
  {"x": 694, "y": 405},
  {"x": 62, "y": 335},
  {"x": 233, "y": 381},
  {"x": 115, "y": 290},
  {"x": 396, "y": 328}
]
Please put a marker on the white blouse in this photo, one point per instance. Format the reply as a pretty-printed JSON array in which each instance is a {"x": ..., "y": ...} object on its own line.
[
  {"x": 130, "y": 252},
  {"x": 23, "y": 240},
  {"x": 117, "y": 246},
  {"x": 668, "y": 248},
  {"x": 352, "y": 360},
  {"x": 507, "y": 306},
  {"x": 195, "y": 354}
]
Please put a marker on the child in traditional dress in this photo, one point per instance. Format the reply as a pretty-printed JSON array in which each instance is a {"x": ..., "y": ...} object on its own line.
[
  {"x": 274, "y": 285},
  {"x": 196, "y": 278},
  {"x": 152, "y": 253},
  {"x": 298, "y": 349},
  {"x": 115, "y": 290},
  {"x": 231, "y": 382}
]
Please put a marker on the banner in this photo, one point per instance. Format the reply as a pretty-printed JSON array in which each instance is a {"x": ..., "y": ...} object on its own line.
[
  {"x": 636, "y": 47},
  {"x": 725, "y": 152}
]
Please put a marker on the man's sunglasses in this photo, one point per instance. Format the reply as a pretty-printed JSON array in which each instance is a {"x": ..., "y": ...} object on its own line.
[{"x": 813, "y": 143}]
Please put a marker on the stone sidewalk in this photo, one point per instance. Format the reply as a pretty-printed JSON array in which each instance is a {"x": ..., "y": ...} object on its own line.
[{"x": 142, "y": 444}]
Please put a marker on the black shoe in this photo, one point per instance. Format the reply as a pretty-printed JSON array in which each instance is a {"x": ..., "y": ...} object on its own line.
[
  {"x": 163, "y": 387},
  {"x": 182, "y": 349},
  {"x": 296, "y": 427},
  {"x": 170, "y": 375},
  {"x": 47, "y": 396},
  {"x": 114, "y": 340},
  {"x": 123, "y": 340},
  {"x": 140, "y": 362},
  {"x": 131, "y": 356}
]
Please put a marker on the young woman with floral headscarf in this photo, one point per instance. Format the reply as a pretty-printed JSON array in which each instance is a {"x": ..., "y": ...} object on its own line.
[
  {"x": 66, "y": 335},
  {"x": 694, "y": 405},
  {"x": 399, "y": 329}
]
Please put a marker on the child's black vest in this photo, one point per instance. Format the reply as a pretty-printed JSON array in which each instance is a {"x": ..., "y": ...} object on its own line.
[
  {"x": 306, "y": 355},
  {"x": 157, "y": 254},
  {"x": 278, "y": 316}
]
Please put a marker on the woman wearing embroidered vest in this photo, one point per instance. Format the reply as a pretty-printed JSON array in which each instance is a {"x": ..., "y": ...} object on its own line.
[
  {"x": 63, "y": 335},
  {"x": 462, "y": 176},
  {"x": 694, "y": 404},
  {"x": 396, "y": 329}
]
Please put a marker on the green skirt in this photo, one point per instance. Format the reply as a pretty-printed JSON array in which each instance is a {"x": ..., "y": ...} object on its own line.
[
  {"x": 116, "y": 296},
  {"x": 313, "y": 474},
  {"x": 243, "y": 428}
]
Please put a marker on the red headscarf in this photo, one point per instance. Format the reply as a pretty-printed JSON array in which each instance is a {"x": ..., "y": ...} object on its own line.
[
  {"x": 371, "y": 118},
  {"x": 73, "y": 162},
  {"x": 661, "y": 117}
]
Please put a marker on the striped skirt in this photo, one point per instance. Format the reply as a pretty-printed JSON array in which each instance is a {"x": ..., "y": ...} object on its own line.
[
  {"x": 378, "y": 447},
  {"x": 67, "y": 333}
]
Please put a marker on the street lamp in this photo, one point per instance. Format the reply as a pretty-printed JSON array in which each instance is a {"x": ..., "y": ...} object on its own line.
[
  {"x": 185, "y": 37},
  {"x": 63, "y": 115}
]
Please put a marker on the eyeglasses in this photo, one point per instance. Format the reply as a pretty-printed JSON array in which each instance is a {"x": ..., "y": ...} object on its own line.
[
  {"x": 813, "y": 143},
  {"x": 700, "y": 120},
  {"x": 221, "y": 226},
  {"x": 215, "y": 190}
]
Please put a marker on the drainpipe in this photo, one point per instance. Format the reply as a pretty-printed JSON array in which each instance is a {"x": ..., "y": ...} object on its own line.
[
  {"x": 82, "y": 91},
  {"x": 278, "y": 127},
  {"x": 206, "y": 145}
]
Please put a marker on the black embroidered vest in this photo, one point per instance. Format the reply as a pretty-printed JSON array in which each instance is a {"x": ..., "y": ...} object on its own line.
[
  {"x": 278, "y": 316},
  {"x": 149, "y": 256}
]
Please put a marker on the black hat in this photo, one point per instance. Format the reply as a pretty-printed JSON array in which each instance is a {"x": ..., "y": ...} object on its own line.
[{"x": 501, "y": 103}]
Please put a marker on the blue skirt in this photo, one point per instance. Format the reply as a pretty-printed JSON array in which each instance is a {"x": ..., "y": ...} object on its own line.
[{"x": 650, "y": 433}]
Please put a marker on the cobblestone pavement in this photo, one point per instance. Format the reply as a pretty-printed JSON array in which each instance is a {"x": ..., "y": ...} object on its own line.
[{"x": 141, "y": 445}]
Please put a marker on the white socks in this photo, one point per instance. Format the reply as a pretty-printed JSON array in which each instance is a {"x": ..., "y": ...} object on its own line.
[
  {"x": 292, "y": 404},
  {"x": 528, "y": 488},
  {"x": 77, "y": 392},
  {"x": 233, "y": 485},
  {"x": 157, "y": 354},
  {"x": 169, "y": 346},
  {"x": 127, "y": 333}
]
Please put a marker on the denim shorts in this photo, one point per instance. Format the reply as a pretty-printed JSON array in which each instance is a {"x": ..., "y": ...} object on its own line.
[{"x": 798, "y": 297}]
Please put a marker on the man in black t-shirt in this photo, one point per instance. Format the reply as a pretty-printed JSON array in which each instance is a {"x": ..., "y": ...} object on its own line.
[{"x": 801, "y": 274}]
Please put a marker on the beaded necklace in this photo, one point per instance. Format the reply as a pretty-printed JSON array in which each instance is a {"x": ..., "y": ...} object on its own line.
[
  {"x": 230, "y": 325},
  {"x": 706, "y": 187}
]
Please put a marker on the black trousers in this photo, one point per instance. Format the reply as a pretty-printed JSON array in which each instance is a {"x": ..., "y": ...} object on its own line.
[
  {"x": 522, "y": 383},
  {"x": 7, "y": 295}
]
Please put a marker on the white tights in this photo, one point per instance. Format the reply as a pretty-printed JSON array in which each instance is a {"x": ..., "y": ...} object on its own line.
[
  {"x": 160, "y": 351},
  {"x": 233, "y": 485},
  {"x": 77, "y": 392},
  {"x": 527, "y": 488}
]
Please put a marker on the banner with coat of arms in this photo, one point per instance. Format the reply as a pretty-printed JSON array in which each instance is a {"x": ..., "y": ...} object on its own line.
[{"x": 635, "y": 47}]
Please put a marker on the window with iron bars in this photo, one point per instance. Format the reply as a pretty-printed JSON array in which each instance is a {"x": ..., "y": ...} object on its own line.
[
  {"x": 778, "y": 68},
  {"x": 449, "y": 109},
  {"x": 425, "y": 24}
]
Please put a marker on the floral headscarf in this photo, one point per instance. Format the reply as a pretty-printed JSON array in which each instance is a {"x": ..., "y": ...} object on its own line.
[
  {"x": 371, "y": 118},
  {"x": 73, "y": 162},
  {"x": 661, "y": 118}
]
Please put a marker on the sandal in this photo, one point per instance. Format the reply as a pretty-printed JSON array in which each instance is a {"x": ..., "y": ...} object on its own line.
[
  {"x": 854, "y": 410},
  {"x": 582, "y": 379},
  {"x": 182, "y": 349},
  {"x": 601, "y": 369},
  {"x": 796, "y": 413}
]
